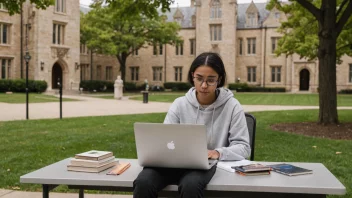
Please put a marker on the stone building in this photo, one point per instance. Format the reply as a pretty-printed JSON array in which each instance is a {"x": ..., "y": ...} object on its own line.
[{"x": 243, "y": 34}]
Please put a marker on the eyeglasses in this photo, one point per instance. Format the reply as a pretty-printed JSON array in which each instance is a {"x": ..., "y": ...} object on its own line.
[{"x": 209, "y": 82}]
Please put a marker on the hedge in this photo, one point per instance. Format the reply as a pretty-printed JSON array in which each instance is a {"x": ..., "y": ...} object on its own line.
[
  {"x": 96, "y": 85},
  {"x": 244, "y": 87},
  {"x": 19, "y": 85},
  {"x": 177, "y": 86},
  {"x": 345, "y": 91}
]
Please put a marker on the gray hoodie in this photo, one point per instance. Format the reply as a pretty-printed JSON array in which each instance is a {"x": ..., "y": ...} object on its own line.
[{"x": 226, "y": 125}]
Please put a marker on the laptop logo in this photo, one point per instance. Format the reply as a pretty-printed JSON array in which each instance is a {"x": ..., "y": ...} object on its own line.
[{"x": 171, "y": 145}]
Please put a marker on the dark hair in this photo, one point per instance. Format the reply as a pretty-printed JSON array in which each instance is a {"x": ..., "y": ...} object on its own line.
[{"x": 212, "y": 60}]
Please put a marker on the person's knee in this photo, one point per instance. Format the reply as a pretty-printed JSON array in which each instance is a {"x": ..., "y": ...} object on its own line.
[
  {"x": 191, "y": 189},
  {"x": 143, "y": 186}
]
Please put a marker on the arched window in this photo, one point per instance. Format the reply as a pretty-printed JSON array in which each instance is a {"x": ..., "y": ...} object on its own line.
[{"x": 215, "y": 9}]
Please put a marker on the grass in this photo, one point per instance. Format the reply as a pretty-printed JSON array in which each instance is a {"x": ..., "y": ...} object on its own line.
[
  {"x": 261, "y": 98},
  {"x": 29, "y": 145},
  {"x": 32, "y": 98}
]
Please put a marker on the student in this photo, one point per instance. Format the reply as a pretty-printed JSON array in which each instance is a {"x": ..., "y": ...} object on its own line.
[{"x": 227, "y": 134}]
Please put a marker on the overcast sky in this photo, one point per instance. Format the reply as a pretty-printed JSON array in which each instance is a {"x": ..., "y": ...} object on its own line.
[{"x": 182, "y": 3}]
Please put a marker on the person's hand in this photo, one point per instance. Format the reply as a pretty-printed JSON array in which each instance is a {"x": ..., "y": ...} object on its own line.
[{"x": 213, "y": 154}]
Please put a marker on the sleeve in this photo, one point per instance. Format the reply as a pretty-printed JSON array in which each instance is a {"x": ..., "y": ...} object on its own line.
[
  {"x": 239, "y": 147},
  {"x": 172, "y": 116}
]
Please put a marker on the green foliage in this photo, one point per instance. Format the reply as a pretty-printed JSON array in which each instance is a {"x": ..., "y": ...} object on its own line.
[
  {"x": 301, "y": 30},
  {"x": 97, "y": 85},
  {"x": 20, "y": 85},
  {"x": 244, "y": 87},
  {"x": 177, "y": 86},
  {"x": 238, "y": 86},
  {"x": 14, "y": 6},
  {"x": 105, "y": 30},
  {"x": 345, "y": 91}
]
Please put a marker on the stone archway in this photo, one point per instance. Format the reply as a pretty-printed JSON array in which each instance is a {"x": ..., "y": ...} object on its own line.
[
  {"x": 304, "y": 80},
  {"x": 56, "y": 74}
]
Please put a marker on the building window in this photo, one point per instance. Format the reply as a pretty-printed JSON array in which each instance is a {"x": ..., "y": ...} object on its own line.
[
  {"x": 251, "y": 19},
  {"x": 60, "y": 5},
  {"x": 157, "y": 73},
  {"x": 4, "y": 33},
  {"x": 251, "y": 74},
  {"x": 160, "y": 49},
  {"x": 179, "y": 48},
  {"x": 277, "y": 15},
  {"x": 134, "y": 51},
  {"x": 274, "y": 42},
  {"x": 251, "y": 45},
  {"x": 240, "y": 46},
  {"x": 134, "y": 73},
  {"x": 276, "y": 74},
  {"x": 215, "y": 32},
  {"x": 2, "y": 7},
  {"x": 108, "y": 73},
  {"x": 99, "y": 72},
  {"x": 178, "y": 74},
  {"x": 192, "y": 44},
  {"x": 350, "y": 73},
  {"x": 215, "y": 10},
  {"x": 5, "y": 71},
  {"x": 84, "y": 72},
  {"x": 58, "y": 34},
  {"x": 83, "y": 49}
]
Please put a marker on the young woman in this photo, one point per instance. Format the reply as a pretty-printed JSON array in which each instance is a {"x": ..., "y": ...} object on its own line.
[{"x": 227, "y": 134}]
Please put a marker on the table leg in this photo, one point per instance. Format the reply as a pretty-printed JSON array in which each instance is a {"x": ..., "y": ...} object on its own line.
[
  {"x": 81, "y": 193},
  {"x": 45, "y": 191}
]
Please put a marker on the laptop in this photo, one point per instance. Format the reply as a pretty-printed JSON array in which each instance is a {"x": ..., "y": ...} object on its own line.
[{"x": 172, "y": 145}]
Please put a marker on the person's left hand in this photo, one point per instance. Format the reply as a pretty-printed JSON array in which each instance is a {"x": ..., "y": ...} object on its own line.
[{"x": 213, "y": 154}]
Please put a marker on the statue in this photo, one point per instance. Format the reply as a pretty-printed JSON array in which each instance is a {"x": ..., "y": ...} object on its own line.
[
  {"x": 146, "y": 85},
  {"x": 118, "y": 93}
]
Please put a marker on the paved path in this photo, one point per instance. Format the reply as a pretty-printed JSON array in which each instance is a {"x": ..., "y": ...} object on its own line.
[{"x": 89, "y": 106}]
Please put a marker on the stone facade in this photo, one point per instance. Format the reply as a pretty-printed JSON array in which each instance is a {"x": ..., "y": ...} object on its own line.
[{"x": 243, "y": 34}]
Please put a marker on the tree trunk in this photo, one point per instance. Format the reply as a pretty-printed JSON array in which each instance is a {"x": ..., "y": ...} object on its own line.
[
  {"x": 122, "y": 57},
  {"x": 327, "y": 64}
]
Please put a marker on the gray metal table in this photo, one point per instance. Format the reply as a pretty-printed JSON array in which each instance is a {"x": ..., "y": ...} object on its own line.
[{"x": 224, "y": 184}]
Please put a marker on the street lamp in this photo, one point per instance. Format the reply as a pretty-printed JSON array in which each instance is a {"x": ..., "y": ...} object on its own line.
[{"x": 27, "y": 57}]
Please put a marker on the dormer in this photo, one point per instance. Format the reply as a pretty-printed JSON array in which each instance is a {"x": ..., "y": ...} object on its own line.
[
  {"x": 252, "y": 15},
  {"x": 178, "y": 16},
  {"x": 215, "y": 9}
]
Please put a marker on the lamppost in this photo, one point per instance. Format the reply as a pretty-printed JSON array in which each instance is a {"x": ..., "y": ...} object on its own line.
[{"x": 27, "y": 57}]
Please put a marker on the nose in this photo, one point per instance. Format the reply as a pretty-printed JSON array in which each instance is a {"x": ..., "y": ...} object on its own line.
[{"x": 204, "y": 84}]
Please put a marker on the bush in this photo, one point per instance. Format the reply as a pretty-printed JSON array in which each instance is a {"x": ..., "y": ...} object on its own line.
[
  {"x": 345, "y": 91},
  {"x": 97, "y": 85},
  {"x": 20, "y": 85},
  {"x": 157, "y": 88},
  {"x": 129, "y": 86},
  {"x": 244, "y": 87},
  {"x": 239, "y": 87},
  {"x": 177, "y": 86}
]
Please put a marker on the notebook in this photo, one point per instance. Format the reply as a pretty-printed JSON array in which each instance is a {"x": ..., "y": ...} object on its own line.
[
  {"x": 290, "y": 170},
  {"x": 172, "y": 145}
]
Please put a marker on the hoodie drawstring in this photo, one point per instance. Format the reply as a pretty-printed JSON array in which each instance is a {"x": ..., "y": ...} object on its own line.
[
  {"x": 212, "y": 124},
  {"x": 197, "y": 114}
]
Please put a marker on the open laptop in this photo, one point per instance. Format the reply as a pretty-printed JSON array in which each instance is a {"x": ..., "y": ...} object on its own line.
[{"x": 172, "y": 145}]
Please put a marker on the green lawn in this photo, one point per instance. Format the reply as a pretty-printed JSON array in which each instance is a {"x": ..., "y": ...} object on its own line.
[
  {"x": 29, "y": 145},
  {"x": 256, "y": 98},
  {"x": 32, "y": 98}
]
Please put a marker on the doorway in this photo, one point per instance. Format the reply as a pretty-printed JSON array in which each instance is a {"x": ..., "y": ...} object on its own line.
[
  {"x": 304, "y": 80},
  {"x": 56, "y": 75}
]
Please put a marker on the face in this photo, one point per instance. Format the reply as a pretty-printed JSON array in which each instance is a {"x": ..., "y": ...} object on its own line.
[{"x": 205, "y": 81}]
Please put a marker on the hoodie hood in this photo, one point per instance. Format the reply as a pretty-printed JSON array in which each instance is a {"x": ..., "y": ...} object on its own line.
[{"x": 223, "y": 97}]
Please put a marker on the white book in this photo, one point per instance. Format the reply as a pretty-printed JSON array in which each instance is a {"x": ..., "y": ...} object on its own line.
[
  {"x": 91, "y": 169},
  {"x": 94, "y": 155},
  {"x": 226, "y": 165},
  {"x": 92, "y": 163}
]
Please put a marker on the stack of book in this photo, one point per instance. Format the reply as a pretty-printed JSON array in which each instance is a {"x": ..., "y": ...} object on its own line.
[
  {"x": 92, "y": 161},
  {"x": 253, "y": 169}
]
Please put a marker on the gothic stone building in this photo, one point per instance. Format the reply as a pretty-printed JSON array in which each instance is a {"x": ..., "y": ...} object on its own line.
[{"x": 243, "y": 34}]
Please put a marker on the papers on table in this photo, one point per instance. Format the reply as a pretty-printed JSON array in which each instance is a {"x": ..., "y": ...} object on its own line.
[{"x": 226, "y": 165}]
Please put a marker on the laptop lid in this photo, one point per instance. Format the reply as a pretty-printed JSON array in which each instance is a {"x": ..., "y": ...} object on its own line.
[{"x": 171, "y": 145}]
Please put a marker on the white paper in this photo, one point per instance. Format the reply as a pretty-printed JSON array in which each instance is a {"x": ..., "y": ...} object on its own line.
[{"x": 226, "y": 165}]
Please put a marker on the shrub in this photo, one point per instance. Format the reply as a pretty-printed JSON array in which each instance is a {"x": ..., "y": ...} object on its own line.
[
  {"x": 157, "y": 88},
  {"x": 177, "y": 86},
  {"x": 345, "y": 91},
  {"x": 240, "y": 87},
  {"x": 19, "y": 85},
  {"x": 97, "y": 85},
  {"x": 244, "y": 87}
]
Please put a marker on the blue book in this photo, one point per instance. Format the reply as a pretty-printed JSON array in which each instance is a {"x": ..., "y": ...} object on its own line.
[{"x": 290, "y": 170}]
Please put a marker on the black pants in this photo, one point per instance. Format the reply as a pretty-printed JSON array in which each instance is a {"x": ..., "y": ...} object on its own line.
[{"x": 191, "y": 183}]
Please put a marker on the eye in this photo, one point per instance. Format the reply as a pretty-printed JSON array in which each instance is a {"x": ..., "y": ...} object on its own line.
[
  {"x": 211, "y": 80},
  {"x": 199, "y": 79}
]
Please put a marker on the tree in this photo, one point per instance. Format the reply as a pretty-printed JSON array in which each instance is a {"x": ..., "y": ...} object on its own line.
[
  {"x": 318, "y": 29},
  {"x": 104, "y": 30},
  {"x": 14, "y": 6},
  {"x": 145, "y": 7}
]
